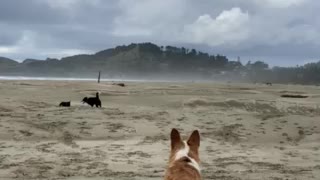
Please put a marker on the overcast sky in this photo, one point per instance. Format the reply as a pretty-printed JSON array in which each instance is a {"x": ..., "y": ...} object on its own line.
[{"x": 280, "y": 32}]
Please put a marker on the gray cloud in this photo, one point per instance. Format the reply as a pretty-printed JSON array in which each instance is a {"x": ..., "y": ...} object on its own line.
[{"x": 270, "y": 30}]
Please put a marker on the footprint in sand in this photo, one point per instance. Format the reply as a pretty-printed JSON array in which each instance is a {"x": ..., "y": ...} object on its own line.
[{"x": 67, "y": 138}]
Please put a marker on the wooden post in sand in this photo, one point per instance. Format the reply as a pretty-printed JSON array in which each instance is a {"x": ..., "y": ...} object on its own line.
[{"x": 99, "y": 77}]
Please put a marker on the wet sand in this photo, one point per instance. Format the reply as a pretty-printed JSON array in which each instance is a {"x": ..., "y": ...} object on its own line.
[{"x": 248, "y": 131}]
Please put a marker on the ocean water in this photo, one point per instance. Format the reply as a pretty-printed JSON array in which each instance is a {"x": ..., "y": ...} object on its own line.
[
  {"x": 27, "y": 78},
  {"x": 21, "y": 78}
]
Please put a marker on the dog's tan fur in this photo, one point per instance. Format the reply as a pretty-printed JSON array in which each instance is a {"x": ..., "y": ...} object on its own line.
[{"x": 184, "y": 167}]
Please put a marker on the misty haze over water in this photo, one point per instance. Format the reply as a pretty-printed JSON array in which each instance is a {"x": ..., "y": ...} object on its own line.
[
  {"x": 59, "y": 79},
  {"x": 27, "y": 78}
]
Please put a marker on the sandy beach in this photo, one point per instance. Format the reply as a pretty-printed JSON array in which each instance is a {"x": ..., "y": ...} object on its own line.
[{"x": 248, "y": 131}]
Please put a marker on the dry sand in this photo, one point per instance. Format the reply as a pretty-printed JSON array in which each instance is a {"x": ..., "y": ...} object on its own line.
[{"x": 248, "y": 131}]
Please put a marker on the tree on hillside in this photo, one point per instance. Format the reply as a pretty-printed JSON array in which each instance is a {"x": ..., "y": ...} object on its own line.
[{"x": 259, "y": 65}]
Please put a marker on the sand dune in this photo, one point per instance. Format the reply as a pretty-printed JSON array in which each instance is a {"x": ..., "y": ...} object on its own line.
[{"x": 248, "y": 131}]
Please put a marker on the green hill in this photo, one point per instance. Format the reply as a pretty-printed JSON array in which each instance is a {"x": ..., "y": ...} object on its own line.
[{"x": 149, "y": 61}]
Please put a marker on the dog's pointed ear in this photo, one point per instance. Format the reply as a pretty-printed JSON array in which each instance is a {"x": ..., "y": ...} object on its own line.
[
  {"x": 194, "y": 139},
  {"x": 175, "y": 138}
]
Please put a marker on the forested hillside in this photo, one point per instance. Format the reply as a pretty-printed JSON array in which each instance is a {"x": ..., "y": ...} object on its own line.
[{"x": 149, "y": 61}]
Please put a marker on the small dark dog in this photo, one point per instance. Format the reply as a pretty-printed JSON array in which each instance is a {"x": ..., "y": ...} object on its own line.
[
  {"x": 92, "y": 101},
  {"x": 65, "y": 104},
  {"x": 268, "y": 83}
]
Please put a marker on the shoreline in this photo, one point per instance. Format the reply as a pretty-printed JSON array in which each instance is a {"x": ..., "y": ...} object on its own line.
[{"x": 31, "y": 78}]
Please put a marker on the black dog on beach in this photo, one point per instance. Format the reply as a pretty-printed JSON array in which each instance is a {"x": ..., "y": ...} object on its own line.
[
  {"x": 92, "y": 101},
  {"x": 65, "y": 104}
]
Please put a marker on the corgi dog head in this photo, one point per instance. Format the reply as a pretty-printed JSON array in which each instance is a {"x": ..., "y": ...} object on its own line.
[{"x": 184, "y": 157}]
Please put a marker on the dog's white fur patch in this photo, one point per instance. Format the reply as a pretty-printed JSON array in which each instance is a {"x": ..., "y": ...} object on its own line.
[{"x": 184, "y": 153}]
